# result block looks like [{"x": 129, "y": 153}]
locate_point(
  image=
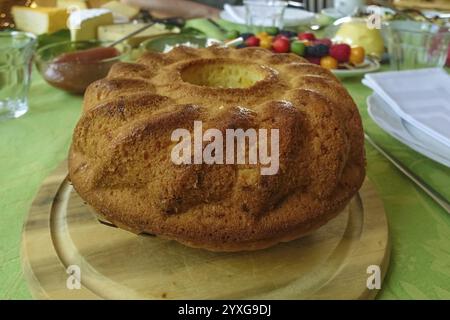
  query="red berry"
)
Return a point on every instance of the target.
[
  {"x": 281, "y": 36},
  {"x": 252, "y": 41},
  {"x": 341, "y": 52},
  {"x": 306, "y": 36},
  {"x": 281, "y": 45},
  {"x": 324, "y": 41},
  {"x": 315, "y": 60}
]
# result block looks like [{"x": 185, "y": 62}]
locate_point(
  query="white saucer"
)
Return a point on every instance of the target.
[
  {"x": 416, "y": 139},
  {"x": 292, "y": 17}
]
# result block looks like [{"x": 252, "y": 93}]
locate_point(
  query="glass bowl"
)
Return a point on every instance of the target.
[
  {"x": 414, "y": 45},
  {"x": 264, "y": 13},
  {"x": 166, "y": 43},
  {"x": 75, "y": 76}
]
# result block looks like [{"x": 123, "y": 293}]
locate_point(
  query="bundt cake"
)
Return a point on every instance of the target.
[{"x": 120, "y": 158}]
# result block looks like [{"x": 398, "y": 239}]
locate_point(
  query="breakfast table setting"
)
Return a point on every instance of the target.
[{"x": 397, "y": 76}]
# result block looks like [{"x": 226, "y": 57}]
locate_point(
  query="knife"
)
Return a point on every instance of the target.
[{"x": 436, "y": 196}]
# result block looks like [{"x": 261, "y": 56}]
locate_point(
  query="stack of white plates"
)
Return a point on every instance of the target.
[{"x": 414, "y": 107}]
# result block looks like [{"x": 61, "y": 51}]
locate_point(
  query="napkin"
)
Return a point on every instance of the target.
[{"x": 421, "y": 97}]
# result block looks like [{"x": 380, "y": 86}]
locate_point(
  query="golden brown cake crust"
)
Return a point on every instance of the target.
[{"x": 120, "y": 163}]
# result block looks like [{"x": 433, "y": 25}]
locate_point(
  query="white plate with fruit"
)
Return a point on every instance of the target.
[
  {"x": 347, "y": 70},
  {"x": 342, "y": 59}
]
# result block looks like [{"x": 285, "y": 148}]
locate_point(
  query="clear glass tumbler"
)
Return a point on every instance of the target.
[
  {"x": 415, "y": 45},
  {"x": 16, "y": 53},
  {"x": 267, "y": 13}
]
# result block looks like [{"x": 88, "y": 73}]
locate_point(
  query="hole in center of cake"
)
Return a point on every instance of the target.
[{"x": 223, "y": 74}]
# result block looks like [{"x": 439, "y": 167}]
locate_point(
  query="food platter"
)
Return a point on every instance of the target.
[{"x": 61, "y": 234}]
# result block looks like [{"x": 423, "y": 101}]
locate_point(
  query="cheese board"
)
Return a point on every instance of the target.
[{"x": 62, "y": 242}]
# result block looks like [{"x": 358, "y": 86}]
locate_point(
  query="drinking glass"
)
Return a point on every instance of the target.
[
  {"x": 415, "y": 45},
  {"x": 16, "y": 52},
  {"x": 268, "y": 13}
]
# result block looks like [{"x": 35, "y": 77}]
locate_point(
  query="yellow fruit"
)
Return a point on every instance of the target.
[
  {"x": 357, "y": 55},
  {"x": 262, "y": 35},
  {"x": 328, "y": 62},
  {"x": 266, "y": 42},
  {"x": 355, "y": 32}
]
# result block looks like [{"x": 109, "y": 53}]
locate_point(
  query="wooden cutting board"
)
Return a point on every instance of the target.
[{"x": 61, "y": 234}]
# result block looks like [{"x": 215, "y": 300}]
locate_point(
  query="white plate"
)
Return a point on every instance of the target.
[
  {"x": 421, "y": 97},
  {"x": 292, "y": 17},
  {"x": 372, "y": 65},
  {"x": 416, "y": 139}
]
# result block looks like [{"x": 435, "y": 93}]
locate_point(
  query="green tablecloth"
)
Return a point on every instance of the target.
[{"x": 32, "y": 146}]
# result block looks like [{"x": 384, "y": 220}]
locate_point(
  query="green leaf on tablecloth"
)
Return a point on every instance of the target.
[
  {"x": 207, "y": 27},
  {"x": 192, "y": 31},
  {"x": 49, "y": 38}
]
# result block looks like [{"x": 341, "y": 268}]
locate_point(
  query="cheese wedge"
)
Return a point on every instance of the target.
[
  {"x": 118, "y": 31},
  {"x": 39, "y": 20},
  {"x": 83, "y": 24},
  {"x": 72, "y": 4},
  {"x": 121, "y": 9}
]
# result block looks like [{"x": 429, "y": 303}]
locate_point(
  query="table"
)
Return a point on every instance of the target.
[{"x": 33, "y": 145}]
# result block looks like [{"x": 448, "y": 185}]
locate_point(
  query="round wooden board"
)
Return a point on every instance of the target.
[{"x": 331, "y": 263}]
